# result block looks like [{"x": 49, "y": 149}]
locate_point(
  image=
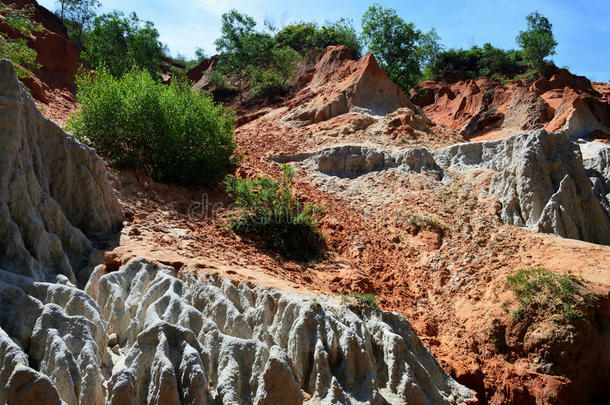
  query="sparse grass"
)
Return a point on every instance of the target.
[
  {"x": 540, "y": 289},
  {"x": 489, "y": 113},
  {"x": 427, "y": 222},
  {"x": 368, "y": 299}
]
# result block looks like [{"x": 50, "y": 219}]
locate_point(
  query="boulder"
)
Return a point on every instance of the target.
[{"x": 527, "y": 111}]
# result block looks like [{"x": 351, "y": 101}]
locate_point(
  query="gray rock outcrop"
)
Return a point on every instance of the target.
[
  {"x": 54, "y": 192},
  {"x": 355, "y": 160},
  {"x": 541, "y": 182},
  {"x": 201, "y": 340}
]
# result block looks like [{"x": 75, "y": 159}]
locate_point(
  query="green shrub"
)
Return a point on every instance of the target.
[
  {"x": 368, "y": 299},
  {"x": 270, "y": 211},
  {"x": 136, "y": 122},
  {"x": 307, "y": 37},
  {"x": 544, "y": 289},
  {"x": 221, "y": 88},
  {"x": 478, "y": 61},
  {"x": 17, "y": 50}
]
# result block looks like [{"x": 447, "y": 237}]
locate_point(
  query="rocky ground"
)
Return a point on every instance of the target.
[{"x": 415, "y": 211}]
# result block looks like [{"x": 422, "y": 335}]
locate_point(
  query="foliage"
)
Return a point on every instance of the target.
[
  {"x": 476, "y": 62},
  {"x": 255, "y": 56},
  {"x": 77, "y": 16},
  {"x": 270, "y": 82},
  {"x": 401, "y": 49},
  {"x": 544, "y": 289},
  {"x": 221, "y": 87},
  {"x": 235, "y": 27},
  {"x": 168, "y": 131},
  {"x": 17, "y": 50},
  {"x": 118, "y": 43},
  {"x": 537, "y": 41},
  {"x": 368, "y": 299},
  {"x": 306, "y": 37},
  {"x": 270, "y": 211}
]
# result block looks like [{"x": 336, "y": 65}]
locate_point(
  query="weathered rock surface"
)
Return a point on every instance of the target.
[
  {"x": 53, "y": 191},
  {"x": 563, "y": 103},
  {"x": 340, "y": 85},
  {"x": 140, "y": 335},
  {"x": 354, "y": 160},
  {"x": 540, "y": 181},
  {"x": 527, "y": 111},
  {"x": 205, "y": 340}
]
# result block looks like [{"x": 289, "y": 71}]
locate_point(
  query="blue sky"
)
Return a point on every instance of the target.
[{"x": 582, "y": 27}]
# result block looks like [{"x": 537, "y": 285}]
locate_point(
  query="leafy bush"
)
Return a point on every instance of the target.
[
  {"x": 544, "y": 289},
  {"x": 170, "y": 132},
  {"x": 17, "y": 50},
  {"x": 306, "y": 37},
  {"x": 477, "y": 61},
  {"x": 265, "y": 83},
  {"x": 222, "y": 89},
  {"x": 270, "y": 211}
]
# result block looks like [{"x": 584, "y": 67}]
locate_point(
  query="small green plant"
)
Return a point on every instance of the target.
[
  {"x": 369, "y": 299},
  {"x": 17, "y": 50},
  {"x": 544, "y": 289},
  {"x": 270, "y": 211},
  {"x": 221, "y": 87},
  {"x": 170, "y": 132},
  {"x": 489, "y": 113},
  {"x": 496, "y": 332}
]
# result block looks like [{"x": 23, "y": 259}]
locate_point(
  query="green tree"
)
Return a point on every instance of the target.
[
  {"x": 77, "y": 16},
  {"x": 537, "y": 41},
  {"x": 63, "y": 6},
  {"x": 341, "y": 32},
  {"x": 400, "y": 48},
  {"x": 235, "y": 27},
  {"x": 305, "y": 37},
  {"x": 120, "y": 42}
]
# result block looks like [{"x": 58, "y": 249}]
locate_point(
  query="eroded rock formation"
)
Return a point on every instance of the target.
[
  {"x": 540, "y": 181},
  {"x": 53, "y": 191},
  {"x": 340, "y": 85},
  {"x": 563, "y": 103},
  {"x": 140, "y": 334}
]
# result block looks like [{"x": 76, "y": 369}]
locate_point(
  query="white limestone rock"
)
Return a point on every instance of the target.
[
  {"x": 540, "y": 181},
  {"x": 204, "y": 340},
  {"x": 53, "y": 190}
]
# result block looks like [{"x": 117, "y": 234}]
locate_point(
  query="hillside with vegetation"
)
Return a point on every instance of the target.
[{"x": 345, "y": 212}]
